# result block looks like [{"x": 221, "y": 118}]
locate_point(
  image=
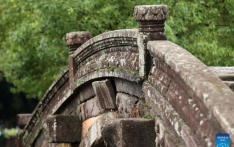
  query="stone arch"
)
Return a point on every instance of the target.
[{"x": 122, "y": 77}]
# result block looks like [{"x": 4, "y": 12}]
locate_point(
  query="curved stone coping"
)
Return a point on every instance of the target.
[
  {"x": 216, "y": 96},
  {"x": 118, "y": 73},
  {"x": 127, "y": 33},
  {"x": 60, "y": 80}
]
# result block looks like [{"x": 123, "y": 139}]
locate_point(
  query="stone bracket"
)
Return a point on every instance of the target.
[{"x": 62, "y": 129}]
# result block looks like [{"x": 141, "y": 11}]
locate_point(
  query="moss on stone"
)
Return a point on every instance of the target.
[
  {"x": 122, "y": 68},
  {"x": 147, "y": 106},
  {"x": 147, "y": 117}
]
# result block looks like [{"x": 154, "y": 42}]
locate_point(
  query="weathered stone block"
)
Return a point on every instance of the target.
[
  {"x": 124, "y": 103},
  {"x": 165, "y": 135},
  {"x": 86, "y": 92},
  {"x": 23, "y": 119},
  {"x": 63, "y": 129},
  {"x": 188, "y": 137},
  {"x": 89, "y": 109},
  {"x": 129, "y": 87},
  {"x": 93, "y": 108},
  {"x": 131, "y": 132},
  {"x": 143, "y": 108},
  {"x": 105, "y": 94}
]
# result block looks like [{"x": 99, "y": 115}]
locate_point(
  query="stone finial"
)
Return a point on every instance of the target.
[
  {"x": 151, "y": 19},
  {"x": 76, "y": 39}
]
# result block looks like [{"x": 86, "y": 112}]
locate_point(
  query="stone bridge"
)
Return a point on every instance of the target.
[{"x": 132, "y": 88}]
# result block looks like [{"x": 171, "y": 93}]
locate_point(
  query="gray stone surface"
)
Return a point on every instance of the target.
[
  {"x": 88, "y": 109},
  {"x": 105, "y": 94},
  {"x": 62, "y": 128},
  {"x": 165, "y": 136},
  {"x": 125, "y": 103},
  {"x": 143, "y": 108},
  {"x": 129, "y": 87},
  {"x": 93, "y": 108},
  {"x": 119, "y": 73},
  {"x": 217, "y": 97},
  {"x": 129, "y": 132},
  {"x": 127, "y": 33},
  {"x": 162, "y": 108},
  {"x": 151, "y": 13},
  {"x": 86, "y": 92}
]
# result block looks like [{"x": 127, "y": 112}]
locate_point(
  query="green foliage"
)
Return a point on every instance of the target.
[
  {"x": 204, "y": 28},
  {"x": 10, "y": 132},
  {"x": 32, "y": 33}
]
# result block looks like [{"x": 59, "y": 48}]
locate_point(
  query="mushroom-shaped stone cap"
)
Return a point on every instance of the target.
[
  {"x": 151, "y": 12},
  {"x": 77, "y": 38}
]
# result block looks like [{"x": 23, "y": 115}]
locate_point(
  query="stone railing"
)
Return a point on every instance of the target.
[{"x": 131, "y": 88}]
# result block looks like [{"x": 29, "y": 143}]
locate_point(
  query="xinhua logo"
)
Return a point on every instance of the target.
[{"x": 222, "y": 140}]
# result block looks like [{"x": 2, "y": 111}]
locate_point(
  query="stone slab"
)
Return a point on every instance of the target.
[
  {"x": 125, "y": 103},
  {"x": 105, "y": 94},
  {"x": 89, "y": 109},
  {"x": 86, "y": 92},
  {"x": 129, "y": 87},
  {"x": 62, "y": 129}
]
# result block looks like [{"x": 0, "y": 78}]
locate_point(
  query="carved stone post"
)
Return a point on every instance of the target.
[
  {"x": 75, "y": 40},
  {"x": 151, "y": 20}
]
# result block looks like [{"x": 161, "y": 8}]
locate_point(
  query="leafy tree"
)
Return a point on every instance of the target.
[{"x": 32, "y": 33}]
